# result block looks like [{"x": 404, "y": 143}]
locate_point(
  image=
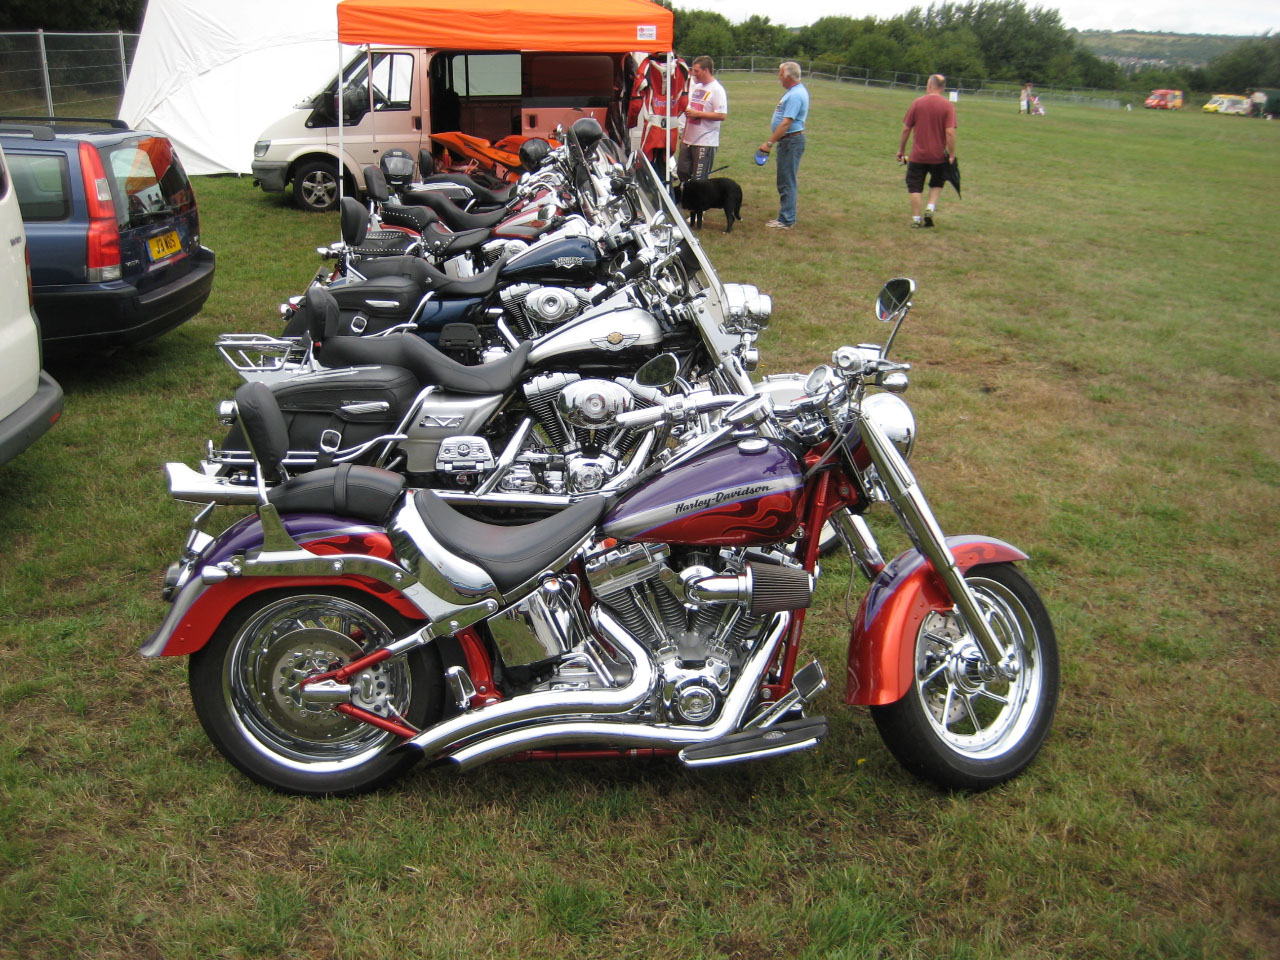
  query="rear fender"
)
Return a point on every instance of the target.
[
  {"x": 882, "y": 642},
  {"x": 200, "y": 607}
]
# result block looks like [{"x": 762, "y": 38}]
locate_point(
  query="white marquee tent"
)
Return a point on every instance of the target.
[{"x": 212, "y": 76}]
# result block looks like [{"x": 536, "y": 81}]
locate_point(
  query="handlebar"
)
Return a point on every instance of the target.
[{"x": 677, "y": 408}]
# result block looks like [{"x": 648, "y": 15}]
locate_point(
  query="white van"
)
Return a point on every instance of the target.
[
  {"x": 417, "y": 92},
  {"x": 30, "y": 399}
]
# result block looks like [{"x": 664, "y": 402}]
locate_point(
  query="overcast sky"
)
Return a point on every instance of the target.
[{"x": 1233, "y": 17}]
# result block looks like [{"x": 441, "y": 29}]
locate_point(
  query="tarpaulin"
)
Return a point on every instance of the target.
[{"x": 572, "y": 26}]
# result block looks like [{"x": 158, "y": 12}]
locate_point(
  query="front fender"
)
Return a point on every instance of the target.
[
  {"x": 199, "y": 608},
  {"x": 882, "y": 642}
]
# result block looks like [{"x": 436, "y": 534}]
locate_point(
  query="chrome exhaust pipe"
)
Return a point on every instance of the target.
[
  {"x": 552, "y": 704},
  {"x": 622, "y": 733}
]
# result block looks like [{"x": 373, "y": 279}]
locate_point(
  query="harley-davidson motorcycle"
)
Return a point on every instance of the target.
[
  {"x": 530, "y": 427},
  {"x": 353, "y": 626}
]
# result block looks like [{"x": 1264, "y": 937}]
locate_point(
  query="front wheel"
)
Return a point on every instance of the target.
[
  {"x": 245, "y": 689},
  {"x": 960, "y": 725},
  {"x": 315, "y": 186}
]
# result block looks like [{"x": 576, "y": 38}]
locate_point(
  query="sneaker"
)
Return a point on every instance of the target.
[
  {"x": 916, "y": 224},
  {"x": 928, "y": 218},
  {"x": 777, "y": 225}
]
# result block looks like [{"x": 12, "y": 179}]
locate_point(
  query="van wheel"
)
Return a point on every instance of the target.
[{"x": 315, "y": 186}]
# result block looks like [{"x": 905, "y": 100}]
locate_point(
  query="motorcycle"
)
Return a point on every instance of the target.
[
  {"x": 539, "y": 274},
  {"x": 353, "y": 626},
  {"x": 523, "y": 430}
]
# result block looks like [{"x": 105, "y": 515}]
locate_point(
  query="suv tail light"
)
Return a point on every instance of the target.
[{"x": 104, "y": 232}]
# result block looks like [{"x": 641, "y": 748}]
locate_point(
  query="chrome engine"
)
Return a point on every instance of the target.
[
  {"x": 696, "y": 645},
  {"x": 535, "y": 309}
]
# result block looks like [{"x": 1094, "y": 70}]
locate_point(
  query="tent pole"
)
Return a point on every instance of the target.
[
  {"x": 342, "y": 97},
  {"x": 373, "y": 113},
  {"x": 667, "y": 126}
]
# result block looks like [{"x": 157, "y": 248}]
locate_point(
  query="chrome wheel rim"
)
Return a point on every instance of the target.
[
  {"x": 295, "y": 638},
  {"x": 975, "y": 711},
  {"x": 319, "y": 188}
]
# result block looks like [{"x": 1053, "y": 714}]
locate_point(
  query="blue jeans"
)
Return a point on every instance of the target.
[{"x": 790, "y": 150}]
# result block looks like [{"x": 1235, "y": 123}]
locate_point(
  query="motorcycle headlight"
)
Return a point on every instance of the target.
[
  {"x": 892, "y": 415},
  {"x": 260, "y": 148}
]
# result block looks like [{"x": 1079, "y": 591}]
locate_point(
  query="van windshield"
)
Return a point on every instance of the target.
[{"x": 147, "y": 180}]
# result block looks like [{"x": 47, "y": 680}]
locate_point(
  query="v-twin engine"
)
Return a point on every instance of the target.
[{"x": 697, "y": 625}]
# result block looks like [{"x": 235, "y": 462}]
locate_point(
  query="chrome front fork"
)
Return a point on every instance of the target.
[{"x": 909, "y": 500}]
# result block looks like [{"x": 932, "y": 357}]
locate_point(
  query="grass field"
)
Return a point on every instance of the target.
[{"x": 1097, "y": 380}]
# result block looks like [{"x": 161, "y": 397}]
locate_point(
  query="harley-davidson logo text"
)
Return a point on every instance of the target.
[{"x": 714, "y": 499}]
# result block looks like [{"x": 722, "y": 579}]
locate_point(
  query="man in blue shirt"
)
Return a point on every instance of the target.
[{"x": 788, "y": 134}]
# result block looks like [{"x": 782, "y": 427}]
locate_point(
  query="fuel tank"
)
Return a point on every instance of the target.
[
  {"x": 608, "y": 337},
  {"x": 571, "y": 260},
  {"x": 743, "y": 494}
]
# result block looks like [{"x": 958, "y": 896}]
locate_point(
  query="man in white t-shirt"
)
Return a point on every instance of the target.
[{"x": 708, "y": 106}]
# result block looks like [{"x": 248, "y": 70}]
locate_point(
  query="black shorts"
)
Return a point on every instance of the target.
[{"x": 916, "y": 171}]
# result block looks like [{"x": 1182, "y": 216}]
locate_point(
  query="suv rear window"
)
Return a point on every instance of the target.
[
  {"x": 149, "y": 182},
  {"x": 43, "y": 183}
]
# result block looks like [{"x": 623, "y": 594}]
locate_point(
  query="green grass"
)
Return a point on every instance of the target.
[{"x": 1096, "y": 364}]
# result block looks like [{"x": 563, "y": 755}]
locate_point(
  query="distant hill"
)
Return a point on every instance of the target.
[{"x": 1175, "y": 49}]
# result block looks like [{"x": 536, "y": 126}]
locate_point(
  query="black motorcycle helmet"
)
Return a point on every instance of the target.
[
  {"x": 532, "y": 152},
  {"x": 397, "y": 166},
  {"x": 588, "y": 132}
]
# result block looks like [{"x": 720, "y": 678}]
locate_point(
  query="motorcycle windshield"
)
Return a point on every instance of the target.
[{"x": 660, "y": 210}]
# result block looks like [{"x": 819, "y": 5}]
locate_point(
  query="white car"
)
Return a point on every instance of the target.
[{"x": 30, "y": 399}]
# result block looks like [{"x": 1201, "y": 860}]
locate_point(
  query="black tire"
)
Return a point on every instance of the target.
[
  {"x": 961, "y": 731},
  {"x": 315, "y": 186},
  {"x": 253, "y": 716}
]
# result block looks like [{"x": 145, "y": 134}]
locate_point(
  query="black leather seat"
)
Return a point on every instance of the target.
[
  {"x": 430, "y": 277},
  {"x": 486, "y": 196},
  {"x": 510, "y": 555},
  {"x": 381, "y": 243},
  {"x": 452, "y": 215},
  {"x": 415, "y": 218},
  {"x": 363, "y": 493},
  {"x": 429, "y": 365},
  {"x": 441, "y": 242}
]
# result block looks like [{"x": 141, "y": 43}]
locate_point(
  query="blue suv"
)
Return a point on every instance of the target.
[{"x": 112, "y": 230}]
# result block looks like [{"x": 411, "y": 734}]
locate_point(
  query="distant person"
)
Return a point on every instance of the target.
[
  {"x": 1024, "y": 99},
  {"x": 788, "y": 133},
  {"x": 932, "y": 121},
  {"x": 708, "y": 107}
]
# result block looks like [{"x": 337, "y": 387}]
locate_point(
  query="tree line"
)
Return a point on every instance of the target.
[{"x": 999, "y": 40}]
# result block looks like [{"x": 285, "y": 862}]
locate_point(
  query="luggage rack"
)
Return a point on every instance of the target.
[{"x": 259, "y": 356}]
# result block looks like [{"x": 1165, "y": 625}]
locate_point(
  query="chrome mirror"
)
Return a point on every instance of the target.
[
  {"x": 894, "y": 297},
  {"x": 659, "y": 371}
]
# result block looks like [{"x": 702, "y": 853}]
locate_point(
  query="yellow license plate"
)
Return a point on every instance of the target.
[{"x": 165, "y": 245}]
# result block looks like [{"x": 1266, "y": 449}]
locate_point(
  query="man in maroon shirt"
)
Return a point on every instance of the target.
[{"x": 933, "y": 120}]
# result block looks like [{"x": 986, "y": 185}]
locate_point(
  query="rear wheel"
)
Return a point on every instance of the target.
[
  {"x": 960, "y": 724},
  {"x": 245, "y": 689},
  {"x": 315, "y": 186}
]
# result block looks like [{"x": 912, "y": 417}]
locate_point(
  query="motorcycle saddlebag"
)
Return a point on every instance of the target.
[
  {"x": 376, "y": 305},
  {"x": 340, "y": 400}
]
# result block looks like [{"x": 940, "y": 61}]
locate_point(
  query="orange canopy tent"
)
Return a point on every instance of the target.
[{"x": 570, "y": 26}]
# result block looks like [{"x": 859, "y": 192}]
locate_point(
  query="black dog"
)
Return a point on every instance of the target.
[{"x": 698, "y": 196}]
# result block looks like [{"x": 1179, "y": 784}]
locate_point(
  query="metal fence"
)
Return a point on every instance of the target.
[
  {"x": 84, "y": 74},
  {"x": 72, "y": 74},
  {"x": 993, "y": 89}
]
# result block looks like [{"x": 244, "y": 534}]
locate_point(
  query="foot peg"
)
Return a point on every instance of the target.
[
  {"x": 788, "y": 736},
  {"x": 460, "y": 686},
  {"x": 807, "y": 683}
]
